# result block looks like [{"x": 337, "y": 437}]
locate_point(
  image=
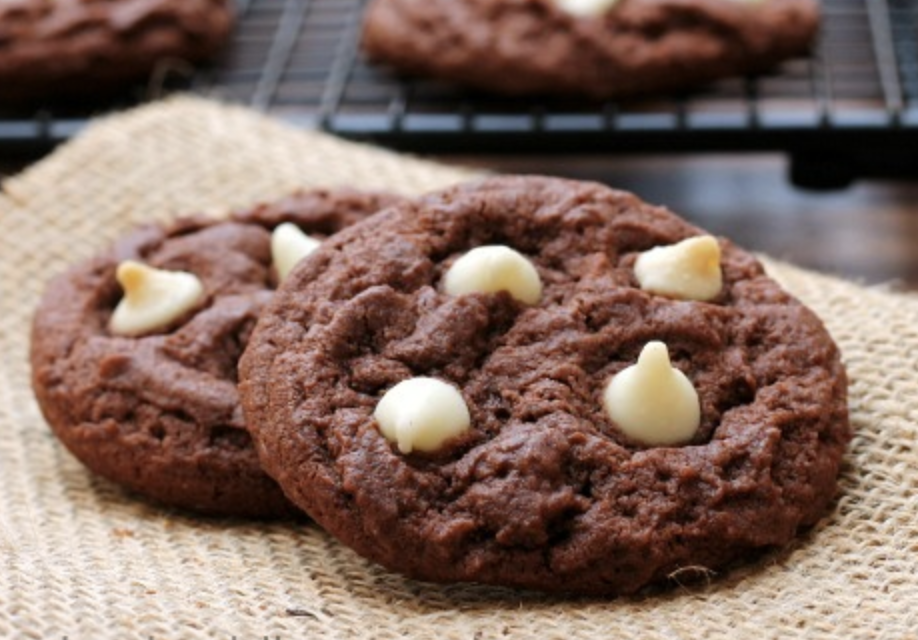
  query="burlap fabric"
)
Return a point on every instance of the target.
[{"x": 81, "y": 559}]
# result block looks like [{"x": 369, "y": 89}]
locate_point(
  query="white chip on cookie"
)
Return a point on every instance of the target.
[
  {"x": 494, "y": 268},
  {"x": 688, "y": 270},
  {"x": 652, "y": 401},
  {"x": 422, "y": 414},
  {"x": 153, "y": 298},
  {"x": 289, "y": 245},
  {"x": 586, "y": 7}
]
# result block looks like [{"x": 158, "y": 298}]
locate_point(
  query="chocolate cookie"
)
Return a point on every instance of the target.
[
  {"x": 450, "y": 388},
  {"x": 592, "y": 48},
  {"x": 87, "y": 48},
  {"x": 155, "y": 408}
]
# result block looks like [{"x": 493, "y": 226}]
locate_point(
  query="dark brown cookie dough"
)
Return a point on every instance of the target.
[
  {"x": 521, "y": 47},
  {"x": 543, "y": 491},
  {"x": 87, "y": 48},
  {"x": 159, "y": 414}
]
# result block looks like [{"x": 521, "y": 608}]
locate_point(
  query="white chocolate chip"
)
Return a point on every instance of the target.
[
  {"x": 652, "y": 401},
  {"x": 586, "y": 7},
  {"x": 689, "y": 270},
  {"x": 153, "y": 298},
  {"x": 422, "y": 414},
  {"x": 289, "y": 245},
  {"x": 494, "y": 268}
]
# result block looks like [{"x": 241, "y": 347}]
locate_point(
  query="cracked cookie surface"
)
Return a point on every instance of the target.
[{"x": 543, "y": 490}]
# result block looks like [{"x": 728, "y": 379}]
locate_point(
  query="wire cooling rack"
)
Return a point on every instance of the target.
[{"x": 848, "y": 110}]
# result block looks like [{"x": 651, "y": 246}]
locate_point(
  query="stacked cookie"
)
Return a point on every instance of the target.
[
  {"x": 529, "y": 382},
  {"x": 134, "y": 353}
]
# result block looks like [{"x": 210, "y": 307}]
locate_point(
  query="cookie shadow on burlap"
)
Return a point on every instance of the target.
[
  {"x": 91, "y": 493},
  {"x": 377, "y": 588},
  {"x": 320, "y": 575}
]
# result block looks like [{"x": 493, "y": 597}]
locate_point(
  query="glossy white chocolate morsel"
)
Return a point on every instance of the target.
[
  {"x": 289, "y": 245},
  {"x": 586, "y": 7},
  {"x": 688, "y": 270},
  {"x": 422, "y": 413},
  {"x": 494, "y": 268},
  {"x": 153, "y": 298},
  {"x": 653, "y": 402}
]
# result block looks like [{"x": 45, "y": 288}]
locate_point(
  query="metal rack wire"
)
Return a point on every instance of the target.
[{"x": 853, "y": 101}]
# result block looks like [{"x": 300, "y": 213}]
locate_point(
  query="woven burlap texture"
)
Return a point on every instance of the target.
[{"x": 82, "y": 559}]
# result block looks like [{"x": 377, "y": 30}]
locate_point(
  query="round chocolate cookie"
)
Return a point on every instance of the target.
[
  {"x": 157, "y": 411},
  {"x": 87, "y": 48},
  {"x": 593, "y": 48},
  {"x": 536, "y": 486}
]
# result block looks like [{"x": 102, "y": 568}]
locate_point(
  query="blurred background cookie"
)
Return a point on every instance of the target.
[
  {"x": 595, "y": 48},
  {"x": 87, "y": 49}
]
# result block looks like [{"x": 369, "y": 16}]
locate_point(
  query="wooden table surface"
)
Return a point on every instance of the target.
[{"x": 867, "y": 232}]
